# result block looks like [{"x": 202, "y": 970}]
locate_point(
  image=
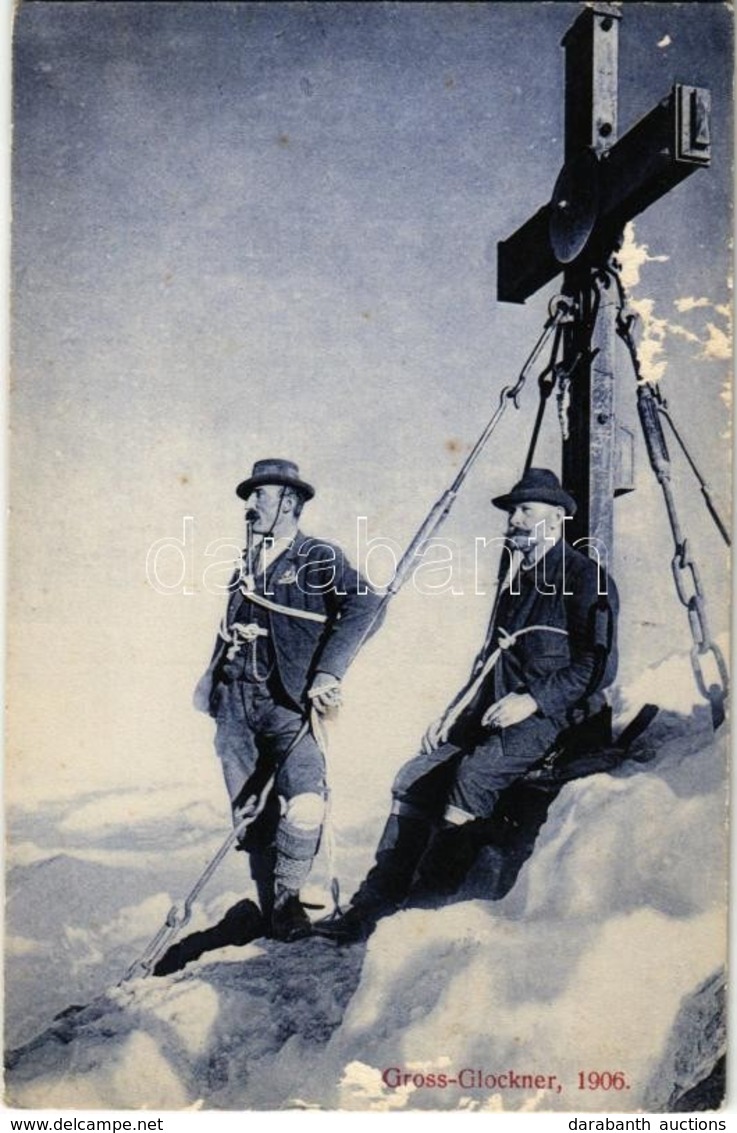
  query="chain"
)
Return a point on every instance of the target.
[
  {"x": 564, "y": 406},
  {"x": 561, "y": 311},
  {"x": 686, "y": 576},
  {"x": 564, "y": 374}
]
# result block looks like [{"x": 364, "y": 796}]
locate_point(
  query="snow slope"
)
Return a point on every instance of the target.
[{"x": 588, "y": 964}]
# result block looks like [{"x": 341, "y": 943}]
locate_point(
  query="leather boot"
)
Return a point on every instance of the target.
[
  {"x": 444, "y": 865},
  {"x": 241, "y": 924},
  {"x": 289, "y": 921},
  {"x": 401, "y": 846},
  {"x": 352, "y": 927}
]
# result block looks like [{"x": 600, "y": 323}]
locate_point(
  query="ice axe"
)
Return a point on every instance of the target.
[{"x": 180, "y": 914}]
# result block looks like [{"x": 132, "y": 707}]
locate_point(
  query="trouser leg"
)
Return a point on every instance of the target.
[
  {"x": 262, "y": 862},
  {"x": 452, "y": 851},
  {"x": 297, "y": 842},
  {"x": 255, "y": 740},
  {"x": 281, "y": 868},
  {"x": 302, "y": 790},
  {"x": 498, "y": 761},
  {"x": 402, "y": 844},
  {"x": 419, "y": 792},
  {"x": 236, "y": 746},
  {"x": 481, "y": 775},
  {"x": 446, "y": 862}
]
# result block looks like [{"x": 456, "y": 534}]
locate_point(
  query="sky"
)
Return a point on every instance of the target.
[{"x": 245, "y": 230}]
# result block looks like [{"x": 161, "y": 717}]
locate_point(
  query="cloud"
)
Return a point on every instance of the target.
[
  {"x": 651, "y": 347},
  {"x": 718, "y": 344},
  {"x": 690, "y": 304},
  {"x": 681, "y": 332},
  {"x": 713, "y": 342},
  {"x": 632, "y": 256}
]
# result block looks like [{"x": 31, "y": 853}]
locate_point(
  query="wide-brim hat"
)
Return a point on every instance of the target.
[
  {"x": 538, "y": 485},
  {"x": 275, "y": 471}
]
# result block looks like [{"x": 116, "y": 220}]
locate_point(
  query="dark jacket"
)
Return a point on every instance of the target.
[
  {"x": 314, "y": 575},
  {"x": 566, "y": 674}
]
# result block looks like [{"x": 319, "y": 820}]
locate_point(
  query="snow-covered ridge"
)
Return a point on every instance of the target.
[{"x": 588, "y": 964}]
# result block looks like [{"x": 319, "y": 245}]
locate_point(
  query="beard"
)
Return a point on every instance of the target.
[{"x": 522, "y": 540}]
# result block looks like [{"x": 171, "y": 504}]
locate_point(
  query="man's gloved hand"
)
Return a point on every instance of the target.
[
  {"x": 434, "y": 736},
  {"x": 325, "y": 692},
  {"x": 511, "y": 709}
]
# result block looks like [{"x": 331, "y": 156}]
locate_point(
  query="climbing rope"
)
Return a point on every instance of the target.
[
  {"x": 237, "y": 636},
  {"x": 505, "y": 641},
  {"x": 651, "y": 407},
  {"x": 320, "y": 733}
]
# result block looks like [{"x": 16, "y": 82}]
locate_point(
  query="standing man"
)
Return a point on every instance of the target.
[
  {"x": 549, "y": 653},
  {"x": 296, "y": 615}
]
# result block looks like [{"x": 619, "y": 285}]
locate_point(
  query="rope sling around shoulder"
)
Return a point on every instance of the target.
[{"x": 506, "y": 640}]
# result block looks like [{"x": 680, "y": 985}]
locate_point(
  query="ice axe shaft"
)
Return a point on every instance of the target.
[
  {"x": 558, "y": 312},
  {"x": 179, "y": 915}
]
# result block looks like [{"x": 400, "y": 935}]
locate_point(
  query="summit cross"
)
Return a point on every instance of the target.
[{"x": 604, "y": 183}]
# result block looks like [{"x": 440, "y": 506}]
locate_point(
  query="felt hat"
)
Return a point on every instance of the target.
[
  {"x": 274, "y": 471},
  {"x": 538, "y": 485}
]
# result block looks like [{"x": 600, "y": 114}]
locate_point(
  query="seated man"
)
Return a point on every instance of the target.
[{"x": 549, "y": 653}]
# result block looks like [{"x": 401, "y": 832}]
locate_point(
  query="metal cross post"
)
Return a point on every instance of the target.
[{"x": 604, "y": 183}]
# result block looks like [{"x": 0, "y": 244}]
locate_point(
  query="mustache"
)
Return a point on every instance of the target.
[{"x": 251, "y": 515}]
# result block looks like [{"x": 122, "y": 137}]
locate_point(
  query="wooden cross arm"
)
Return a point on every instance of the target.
[
  {"x": 525, "y": 262},
  {"x": 653, "y": 157},
  {"x": 662, "y": 149}
]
